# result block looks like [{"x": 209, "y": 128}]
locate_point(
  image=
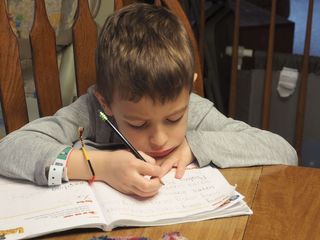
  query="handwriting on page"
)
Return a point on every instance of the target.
[
  {"x": 42, "y": 209},
  {"x": 197, "y": 191},
  {"x": 44, "y": 202}
]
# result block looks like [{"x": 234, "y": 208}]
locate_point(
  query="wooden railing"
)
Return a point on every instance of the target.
[{"x": 268, "y": 74}]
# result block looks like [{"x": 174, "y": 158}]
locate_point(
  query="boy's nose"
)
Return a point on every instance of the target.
[{"x": 158, "y": 139}]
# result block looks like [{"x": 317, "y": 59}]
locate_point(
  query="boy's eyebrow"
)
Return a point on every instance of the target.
[{"x": 181, "y": 110}]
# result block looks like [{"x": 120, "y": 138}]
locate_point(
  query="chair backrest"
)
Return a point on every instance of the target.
[{"x": 44, "y": 60}]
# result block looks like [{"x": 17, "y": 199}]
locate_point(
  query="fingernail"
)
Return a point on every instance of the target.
[{"x": 161, "y": 181}]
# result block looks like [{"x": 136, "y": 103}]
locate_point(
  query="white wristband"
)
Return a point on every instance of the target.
[
  {"x": 58, "y": 170},
  {"x": 55, "y": 175}
]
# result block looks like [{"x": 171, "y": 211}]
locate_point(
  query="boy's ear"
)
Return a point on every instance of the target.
[
  {"x": 195, "y": 75},
  {"x": 103, "y": 103}
]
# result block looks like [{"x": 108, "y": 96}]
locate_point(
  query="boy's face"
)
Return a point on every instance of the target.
[{"x": 154, "y": 128}]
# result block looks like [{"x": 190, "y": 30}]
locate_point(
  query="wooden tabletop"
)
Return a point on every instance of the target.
[{"x": 285, "y": 202}]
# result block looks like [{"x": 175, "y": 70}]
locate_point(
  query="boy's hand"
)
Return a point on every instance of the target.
[
  {"x": 180, "y": 158},
  {"x": 124, "y": 172}
]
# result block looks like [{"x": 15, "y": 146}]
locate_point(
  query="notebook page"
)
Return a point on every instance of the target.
[
  {"x": 198, "y": 191},
  {"x": 36, "y": 210}
]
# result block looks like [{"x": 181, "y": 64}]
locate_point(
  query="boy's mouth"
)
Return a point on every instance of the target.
[{"x": 161, "y": 154}]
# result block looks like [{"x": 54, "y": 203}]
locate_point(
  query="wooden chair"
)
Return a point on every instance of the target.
[
  {"x": 268, "y": 74},
  {"x": 44, "y": 58},
  {"x": 45, "y": 68}
]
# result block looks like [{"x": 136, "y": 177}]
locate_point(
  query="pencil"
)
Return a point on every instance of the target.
[
  {"x": 104, "y": 118},
  {"x": 85, "y": 154}
]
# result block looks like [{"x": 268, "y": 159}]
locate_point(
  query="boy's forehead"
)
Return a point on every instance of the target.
[
  {"x": 151, "y": 100},
  {"x": 148, "y": 105}
]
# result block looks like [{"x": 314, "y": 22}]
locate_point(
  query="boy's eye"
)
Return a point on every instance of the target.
[
  {"x": 175, "y": 120},
  {"x": 135, "y": 125}
]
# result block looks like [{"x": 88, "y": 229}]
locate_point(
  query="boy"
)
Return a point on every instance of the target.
[{"x": 145, "y": 71}]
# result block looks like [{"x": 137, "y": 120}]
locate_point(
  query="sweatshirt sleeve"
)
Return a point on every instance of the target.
[
  {"x": 226, "y": 142},
  {"x": 28, "y": 151}
]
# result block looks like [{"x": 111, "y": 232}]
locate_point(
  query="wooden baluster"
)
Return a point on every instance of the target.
[
  {"x": 12, "y": 96},
  {"x": 45, "y": 67},
  {"x": 234, "y": 64},
  {"x": 268, "y": 71},
  {"x": 118, "y": 4},
  {"x": 303, "y": 85},
  {"x": 157, "y": 3},
  {"x": 85, "y": 34},
  {"x": 175, "y": 7},
  {"x": 202, "y": 22}
]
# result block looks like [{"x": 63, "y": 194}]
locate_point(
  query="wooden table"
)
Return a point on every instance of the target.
[{"x": 285, "y": 202}]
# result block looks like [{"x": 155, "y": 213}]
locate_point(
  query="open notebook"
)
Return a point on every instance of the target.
[{"x": 29, "y": 210}]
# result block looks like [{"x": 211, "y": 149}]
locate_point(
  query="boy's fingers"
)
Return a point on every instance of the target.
[
  {"x": 149, "y": 169},
  {"x": 166, "y": 166},
  {"x": 146, "y": 186},
  {"x": 148, "y": 158},
  {"x": 143, "y": 193},
  {"x": 138, "y": 191},
  {"x": 180, "y": 170}
]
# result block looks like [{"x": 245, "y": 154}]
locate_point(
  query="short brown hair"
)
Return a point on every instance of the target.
[{"x": 144, "y": 50}]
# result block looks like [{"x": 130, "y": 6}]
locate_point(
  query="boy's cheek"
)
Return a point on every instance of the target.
[{"x": 138, "y": 140}]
